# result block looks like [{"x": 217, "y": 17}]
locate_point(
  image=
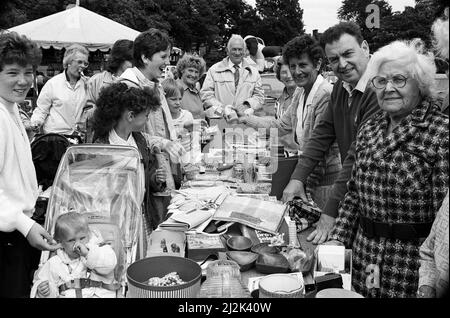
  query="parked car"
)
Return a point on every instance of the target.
[{"x": 272, "y": 90}]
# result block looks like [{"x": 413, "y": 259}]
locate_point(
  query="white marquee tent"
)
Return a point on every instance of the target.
[{"x": 75, "y": 25}]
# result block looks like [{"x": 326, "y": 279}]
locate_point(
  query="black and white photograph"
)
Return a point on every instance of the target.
[{"x": 131, "y": 131}]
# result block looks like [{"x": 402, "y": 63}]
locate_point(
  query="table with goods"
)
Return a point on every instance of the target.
[{"x": 228, "y": 235}]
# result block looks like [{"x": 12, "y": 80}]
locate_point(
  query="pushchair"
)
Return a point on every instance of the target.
[
  {"x": 104, "y": 183},
  {"x": 47, "y": 151}
]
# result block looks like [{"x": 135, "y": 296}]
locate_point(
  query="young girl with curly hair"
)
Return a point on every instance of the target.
[{"x": 119, "y": 119}]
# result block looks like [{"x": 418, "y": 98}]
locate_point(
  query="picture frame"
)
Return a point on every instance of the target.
[{"x": 163, "y": 243}]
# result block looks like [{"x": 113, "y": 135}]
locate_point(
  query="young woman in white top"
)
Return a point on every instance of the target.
[{"x": 20, "y": 236}]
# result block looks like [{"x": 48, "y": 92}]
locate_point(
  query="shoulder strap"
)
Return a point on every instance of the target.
[{"x": 143, "y": 148}]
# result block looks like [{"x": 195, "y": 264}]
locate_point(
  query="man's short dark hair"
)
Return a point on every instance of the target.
[
  {"x": 148, "y": 43},
  {"x": 335, "y": 32},
  {"x": 303, "y": 44},
  {"x": 121, "y": 51}
]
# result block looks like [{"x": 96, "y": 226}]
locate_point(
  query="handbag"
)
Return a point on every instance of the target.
[{"x": 303, "y": 213}]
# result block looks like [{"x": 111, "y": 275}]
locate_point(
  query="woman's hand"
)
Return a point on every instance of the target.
[
  {"x": 43, "y": 289},
  {"x": 37, "y": 237},
  {"x": 294, "y": 188},
  {"x": 323, "y": 229},
  {"x": 161, "y": 175},
  {"x": 80, "y": 249}
]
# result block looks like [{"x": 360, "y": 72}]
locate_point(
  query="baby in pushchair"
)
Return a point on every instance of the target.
[{"x": 83, "y": 268}]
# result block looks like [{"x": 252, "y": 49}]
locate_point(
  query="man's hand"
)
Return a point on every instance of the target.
[
  {"x": 36, "y": 237},
  {"x": 323, "y": 228},
  {"x": 161, "y": 175},
  {"x": 43, "y": 289},
  {"x": 175, "y": 150},
  {"x": 294, "y": 188},
  {"x": 240, "y": 109}
]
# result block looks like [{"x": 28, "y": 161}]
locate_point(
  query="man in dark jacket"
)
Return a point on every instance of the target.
[{"x": 352, "y": 103}]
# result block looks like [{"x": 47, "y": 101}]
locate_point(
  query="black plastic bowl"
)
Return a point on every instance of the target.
[
  {"x": 239, "y": 243},
  {"x": 140, "y": 271}
]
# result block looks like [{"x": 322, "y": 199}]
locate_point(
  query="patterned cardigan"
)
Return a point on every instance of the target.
[{"x": 400, "y": 178}]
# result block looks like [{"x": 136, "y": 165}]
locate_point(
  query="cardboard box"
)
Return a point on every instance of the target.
[
  {"x": 328, "y": 257},
  {"x": 200, "y": 246}
]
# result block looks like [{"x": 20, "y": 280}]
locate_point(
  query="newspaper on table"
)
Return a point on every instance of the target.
[{"x": 259, "y": 214}]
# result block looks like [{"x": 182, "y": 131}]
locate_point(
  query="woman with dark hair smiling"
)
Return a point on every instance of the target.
[
  {"x": 119, "y": 118},
  {"x": 305, "y": 57}
]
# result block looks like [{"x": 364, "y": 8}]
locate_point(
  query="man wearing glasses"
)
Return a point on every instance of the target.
[
  {"x": 62, "y": 98},
  {"x": 352, "y": 103}
]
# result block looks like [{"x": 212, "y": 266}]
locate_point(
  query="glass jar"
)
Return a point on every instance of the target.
[{"x": 223, "y": 280}]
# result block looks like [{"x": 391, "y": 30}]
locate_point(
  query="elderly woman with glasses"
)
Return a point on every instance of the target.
[
  {"x": 400, "y": 175},
  {"x": 62, "y": 98}
]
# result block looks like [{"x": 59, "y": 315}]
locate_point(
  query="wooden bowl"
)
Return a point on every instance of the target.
[
  {"x": 265, "y": 248},
  {"x": 272, "y": 263},
  {"x": 239, "y": 243},
  {"x": 245, "y": 260}
]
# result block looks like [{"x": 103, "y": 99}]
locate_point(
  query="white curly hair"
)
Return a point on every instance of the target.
[
  {"x": 440, "y": 35},
  {"x": 417, "y": 62}
]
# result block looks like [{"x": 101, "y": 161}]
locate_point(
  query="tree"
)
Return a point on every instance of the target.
[
  {"x": 413, "y": 22},
  {"x": 239, "y": 18},
  {"x": 281, "y": 20},
  {"x": 355, "y": 11}
]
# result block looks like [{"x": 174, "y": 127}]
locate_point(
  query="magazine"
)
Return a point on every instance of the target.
[
  {"x": 186, "y": 221},
  {"x": 261, "y": 215}
]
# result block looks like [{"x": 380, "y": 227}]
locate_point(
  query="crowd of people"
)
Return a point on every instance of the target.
[{"x": 372, "y": 147}]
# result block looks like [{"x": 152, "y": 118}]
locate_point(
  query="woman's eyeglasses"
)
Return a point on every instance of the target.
[
  {"x": 80, "y": 62},
  {"x": 398, "y": 81}
]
